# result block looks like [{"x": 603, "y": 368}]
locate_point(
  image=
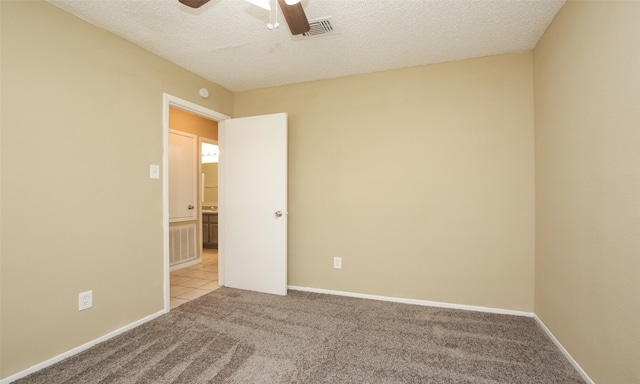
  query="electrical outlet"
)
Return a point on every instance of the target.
[
  {"x": 337, "y": 262},
  {"x": 85, "y": 300}
]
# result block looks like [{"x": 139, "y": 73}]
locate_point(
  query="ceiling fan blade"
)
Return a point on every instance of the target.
[
  {"x": 294, "y": 14},
  {"x": 194, "y": 3}
]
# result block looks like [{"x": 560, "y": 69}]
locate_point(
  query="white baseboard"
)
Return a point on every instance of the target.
[
  {"x": 186, "y": 264},
  {"x": 564, "y": 351},
  {"x": 414, "y": 301},
  {"x": 79, "y": 349}
]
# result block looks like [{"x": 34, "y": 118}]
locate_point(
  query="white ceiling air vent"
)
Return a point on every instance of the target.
[{"x": 319, "y": 27}]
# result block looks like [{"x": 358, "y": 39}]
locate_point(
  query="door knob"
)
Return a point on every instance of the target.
[
  {"x": 190, "y": 207},
  {"x": 278, "y": 213}
]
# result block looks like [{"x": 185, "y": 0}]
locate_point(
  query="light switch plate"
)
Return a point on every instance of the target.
[{"x": 154, "y": 171}]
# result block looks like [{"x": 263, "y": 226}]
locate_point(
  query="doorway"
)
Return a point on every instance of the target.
[
  {"x": 190, "y": 280},
  {"x": 254, "y": 150},
  {"x": 172, "y": 102}
]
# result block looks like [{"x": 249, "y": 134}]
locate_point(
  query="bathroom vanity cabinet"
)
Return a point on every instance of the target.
[{"x": 210, "y": 230}]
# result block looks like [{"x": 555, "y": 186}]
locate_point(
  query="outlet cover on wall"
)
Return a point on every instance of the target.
[
  {"x": 337, "y": 262},
  {"x": 85, "y": 300}
]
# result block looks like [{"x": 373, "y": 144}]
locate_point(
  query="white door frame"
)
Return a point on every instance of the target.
[{"x": 173, "y": 101}]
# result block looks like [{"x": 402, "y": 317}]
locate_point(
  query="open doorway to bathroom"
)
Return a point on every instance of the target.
[{"x": 197, "y": 277}]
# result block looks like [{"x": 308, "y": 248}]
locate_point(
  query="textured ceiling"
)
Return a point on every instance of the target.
[{"x": 227, "y": 41}]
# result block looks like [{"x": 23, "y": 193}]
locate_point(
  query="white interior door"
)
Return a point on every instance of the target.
[
  {"x": 254, "y": 206},
  {"x": 182, "y": 176}
]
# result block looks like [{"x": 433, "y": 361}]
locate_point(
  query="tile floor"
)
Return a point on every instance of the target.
[{"x": 195, "y": 281}]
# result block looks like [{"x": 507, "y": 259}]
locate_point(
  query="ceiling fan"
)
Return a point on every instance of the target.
[{"x": 292, "y": 10}]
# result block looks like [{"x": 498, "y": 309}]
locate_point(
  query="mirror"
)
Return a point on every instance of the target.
[{"x": 210, "y": 154}]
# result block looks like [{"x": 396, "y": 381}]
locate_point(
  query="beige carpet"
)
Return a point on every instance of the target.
[{"x": 233, "y": 336}]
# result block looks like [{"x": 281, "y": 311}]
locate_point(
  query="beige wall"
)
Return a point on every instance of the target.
[
  {"x": 420, "y": 179},
  {"x": 88, "y": 105},
  {"x": 587, "y": 102},
  {"x": 196, "y": 125}
]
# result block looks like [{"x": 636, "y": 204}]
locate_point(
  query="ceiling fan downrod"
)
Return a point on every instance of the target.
[{"x": 275, "y": 25}]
